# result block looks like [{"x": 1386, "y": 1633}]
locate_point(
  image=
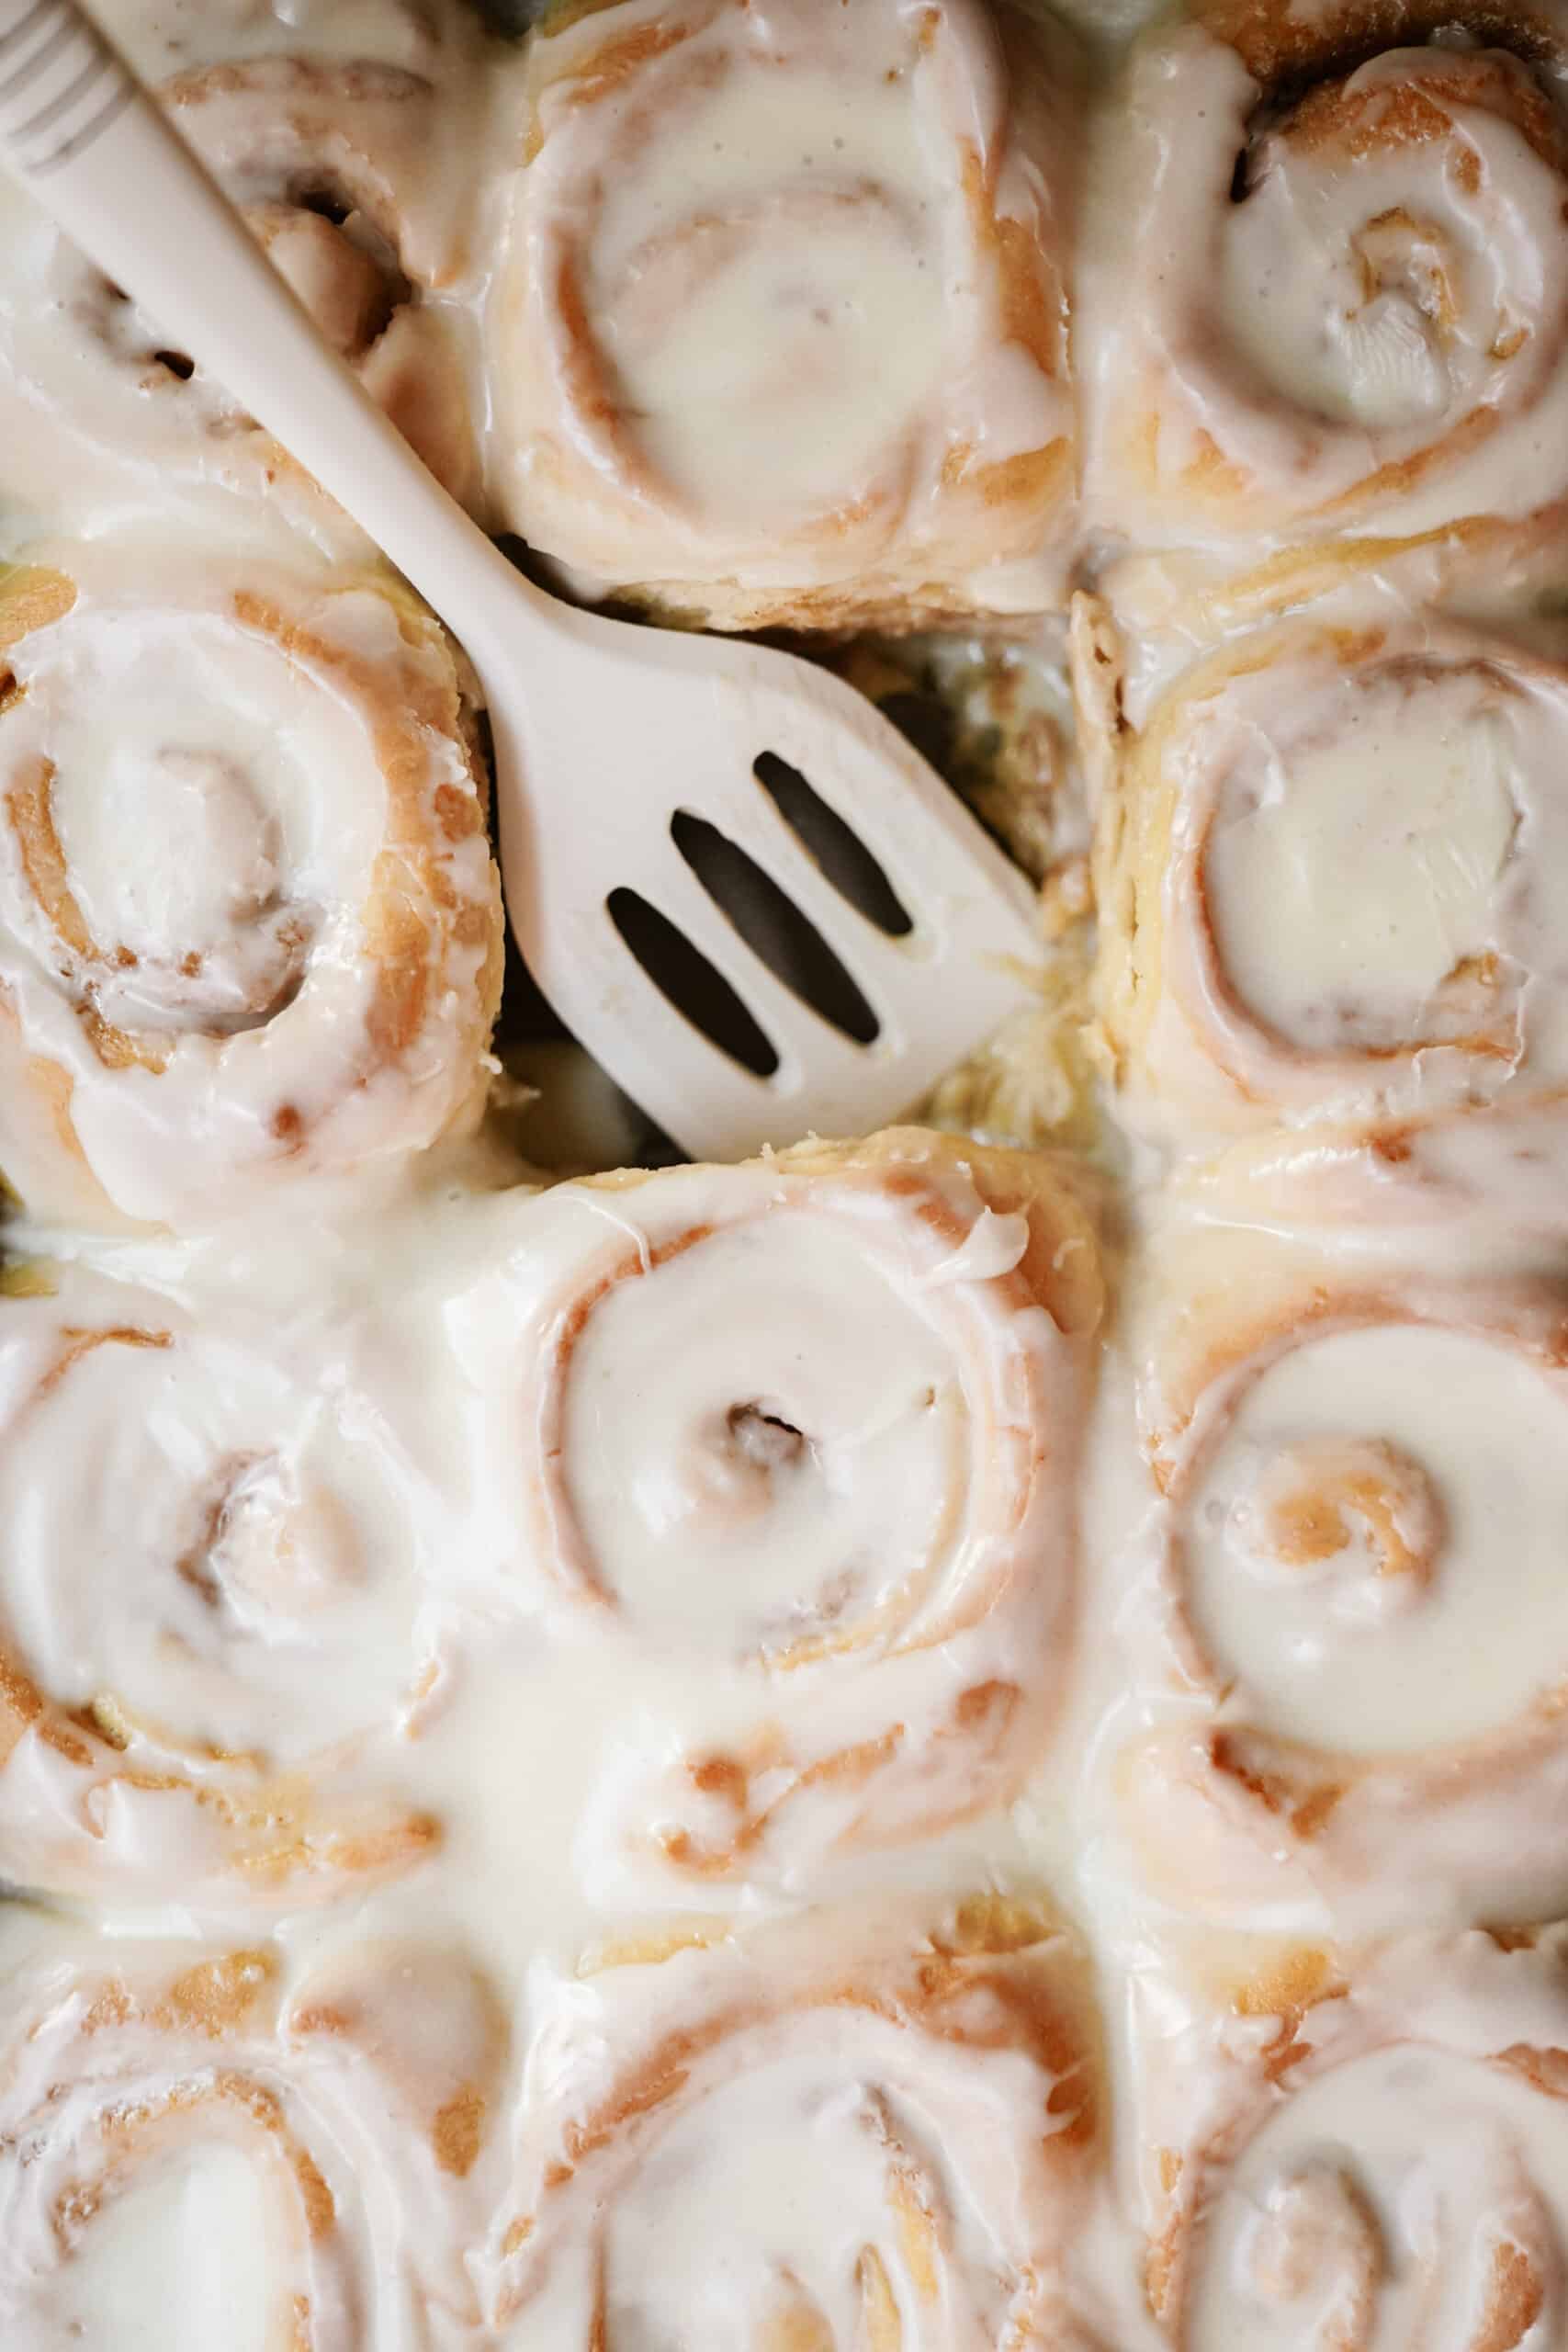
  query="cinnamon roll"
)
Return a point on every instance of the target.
[
  {"x": 212, "y": 1618},
  {"x": 781, "y": 335},
  {"x": 192, "y": 2151},
  {"x": 1375, "y": 2160},
  {"x": 1341, "y": 303},
  {"x": 1330, "y": 868},
  {"x": 250, "y": 927},
  {"x": 1356, "y": 1633},
  {"x": 762, "y": 2147},
  {"x": 805, "y": 1431},
  {"x": 351, "y": 174}
]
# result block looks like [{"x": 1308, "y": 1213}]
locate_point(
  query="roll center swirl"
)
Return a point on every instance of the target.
[
  {"x": 177, "y": 870},
  {"x": 1356, "y": 1516}
]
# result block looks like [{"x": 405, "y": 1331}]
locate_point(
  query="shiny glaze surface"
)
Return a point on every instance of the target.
[{"x": 957, "y": 1709}]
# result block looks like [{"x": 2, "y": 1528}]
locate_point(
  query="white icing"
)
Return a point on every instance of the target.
[
  {"x": 760, "y": 389},
  {"x": 414, "y": 1318},
  {"x": 862, "y": 1534},
  {"x": 1350, "y": 311},
  {"x": 199, "y": 1532},
  {"x": 1391, "y": 2200},
  {"x": 202, "y": 2218},
  {"x": 185, "y": 2157},
  {"x": 819, "y": 2165},
  {"x": 1472, "y": 1472},
  {"x": 780, "y": 355},
  {"x": 222, "y": 902},
  {"x": 1356, "y": 912},
  {"x": 795, "y": 2155},
  {"x": 689, "y": 1496},
  {"x": 1347, "y": 892}
]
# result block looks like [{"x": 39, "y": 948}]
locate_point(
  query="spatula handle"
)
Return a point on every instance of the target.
[{"x": 98, "y": 154}]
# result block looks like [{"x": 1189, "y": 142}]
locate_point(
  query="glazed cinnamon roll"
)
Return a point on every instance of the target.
[
  {"x": 804, "y": 1432},
  {"x": 781, "y": 337},
  {"x": 213, "y": 1624},
  {"x": 761, "y": 2145},
  {"x": 1330, "y": 867},
  {"x": 1342, "y": 302},
  {"x": 1369, "y": 2163},
  {"x": 355, "y": 176},
  {"x": 1354, "y": 1635},
  {"x": 191, "y": 2148},
  {"x": 250, "y": 927}
]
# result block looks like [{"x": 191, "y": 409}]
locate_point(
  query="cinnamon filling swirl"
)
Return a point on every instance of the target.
[
  {"x": 1331, "y": 874},
  {"x": 188, "y": 2152},
  {"x": 1351, "y": 307},
  {"x": 212, "y": 970},
  {"x": 782, "y": 334},
  {"x": 801, "y": 1433},
  {"x": 1360, "y": 1601},
  {"x": 891, "y": 2155},
  {"x": 1389, "y": 2171},
  {"x": 211, "y": 1619}
]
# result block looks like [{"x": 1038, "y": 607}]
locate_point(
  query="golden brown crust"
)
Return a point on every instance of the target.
[{"x": 1280, "y": 44}]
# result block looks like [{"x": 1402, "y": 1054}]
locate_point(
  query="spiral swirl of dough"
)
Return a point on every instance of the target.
[
  {"x": 1331, "y": 882},
  {"x": 213, "y": 1612},
  {"x": 1384, "y": 2172},
  {"x": 1347, "y": 310},
  {"x": 782, "y": 334},
  {"x": 192, "y": 2151},
  {"x": 752, "y": 2147},
  {"x": 803, "y": 1432},
  {"x": 1362, "y": 1606},
  {"x": 250, "y": 928}
]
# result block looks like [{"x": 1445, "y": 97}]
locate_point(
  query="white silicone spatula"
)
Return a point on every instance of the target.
[{"x": 645, "y": 779}]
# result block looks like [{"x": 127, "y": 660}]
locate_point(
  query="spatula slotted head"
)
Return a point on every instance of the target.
[{"x": 743, "y": 891}]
